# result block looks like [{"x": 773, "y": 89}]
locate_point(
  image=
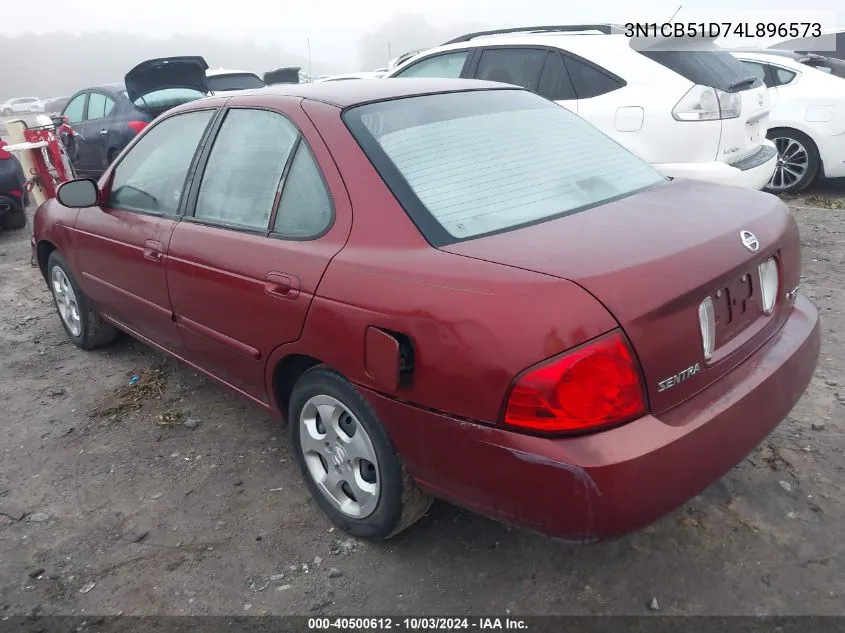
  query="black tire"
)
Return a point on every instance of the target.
[
  {"x": 782, "y": 137},
  {"x": 14, "y": 220},
  {"x": 94, "y": 331},
  {"x": 401, "y": 503}
]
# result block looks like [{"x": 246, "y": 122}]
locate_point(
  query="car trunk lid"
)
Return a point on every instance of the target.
[
  {"x": 652, "y": 258},
  {"x": 166, "y": 73}
]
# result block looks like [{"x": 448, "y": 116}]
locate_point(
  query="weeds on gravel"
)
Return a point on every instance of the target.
[
  {"x": 130, "y": 397},
  {"x": 825, "y": 202}
]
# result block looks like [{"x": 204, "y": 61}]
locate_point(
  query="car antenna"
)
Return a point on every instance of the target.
[{"x": 680, "y": 6}]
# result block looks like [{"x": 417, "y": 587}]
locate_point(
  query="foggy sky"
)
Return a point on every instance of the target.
[{"x": 96, "y": 41}]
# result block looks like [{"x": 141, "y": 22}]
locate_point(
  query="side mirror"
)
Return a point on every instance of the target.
[{"x": 78, "y": 194}]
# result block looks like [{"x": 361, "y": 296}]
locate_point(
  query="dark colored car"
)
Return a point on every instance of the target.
[
  {"x": 13, "y": 194},
  {"x": 55, "y": 105},
  {"x": 523, "y": 318},
  {"x": 108, "y": 117}
]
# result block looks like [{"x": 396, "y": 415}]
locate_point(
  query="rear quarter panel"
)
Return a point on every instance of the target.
[{"x": 474, "y": 325}]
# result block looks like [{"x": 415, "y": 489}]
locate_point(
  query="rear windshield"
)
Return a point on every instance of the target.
[
  {"x": 168, "y": 98},
  {"x": 716, "y": 69},
  {"x": 234, "y": 81},
  {"x": 467, "y": 164}
]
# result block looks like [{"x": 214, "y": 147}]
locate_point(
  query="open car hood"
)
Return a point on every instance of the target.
[{"x": 166, "y": 72}]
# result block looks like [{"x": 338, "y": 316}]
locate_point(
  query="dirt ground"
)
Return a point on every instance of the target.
[{"x": 172, "y": 496}]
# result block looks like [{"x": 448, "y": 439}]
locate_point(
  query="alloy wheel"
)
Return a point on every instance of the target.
[
  {"x": 66, "y": 301},
  {"x": 339, "y": 456},
  {"x": 792, "y": 164}
]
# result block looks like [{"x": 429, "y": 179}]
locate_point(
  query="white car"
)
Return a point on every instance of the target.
[
  {"x": 807, "y": 123},
  {"x": 22, "y": 105},
  {"x": 692, "y": 113}
]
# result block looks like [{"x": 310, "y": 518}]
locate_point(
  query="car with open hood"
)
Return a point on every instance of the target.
[
  {"x": 441, "y": 302},
  {"x": 107, "y": 117}
]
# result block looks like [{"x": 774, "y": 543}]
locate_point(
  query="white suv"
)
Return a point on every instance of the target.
[{"x": 693, "y": 113}]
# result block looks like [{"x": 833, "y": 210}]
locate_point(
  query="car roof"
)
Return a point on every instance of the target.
[
  {"x": 349, "y": 93},
  {"x": 572, "y": 41}
]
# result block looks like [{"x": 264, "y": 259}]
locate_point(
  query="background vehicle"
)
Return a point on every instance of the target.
[
  {"x": 13, "y": 195},
  {"x": 692, "y": 113},
  {"x": 22, "y": 105},
  {"x": 807, "y": 123},
  {"x": 107, "y": 117},
  {"x": 224, "y": 235},
  {"x": 810, "y": 44},
  {"x": 376, "y": 74},
  {"x": 55, "y": 105},
  {"x": 223, "y": 81},
  {"x": 829, "y": 65}
]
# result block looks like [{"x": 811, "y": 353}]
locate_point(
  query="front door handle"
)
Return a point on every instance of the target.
[
  {"x": 152, "y": 250},
  {"x": 103, "y": 132},
  {"x": 281, "y": 285}
]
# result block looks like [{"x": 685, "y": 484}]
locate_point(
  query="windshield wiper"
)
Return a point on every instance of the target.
[{"x": 747, "y": 81}]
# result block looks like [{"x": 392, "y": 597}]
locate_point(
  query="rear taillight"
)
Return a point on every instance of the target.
[
  {"x": 768, "y": 284},
  {"x": 595, "y": 386},
  {"x": 17, "y": 193},
  {"x": 702, "y": 103},
  {"x": 4, "y": 153},
  {"x": 137, "y": 126}
]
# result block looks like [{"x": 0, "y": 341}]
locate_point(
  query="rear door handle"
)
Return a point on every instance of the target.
[
  {"x": 103, "y": 132},
  {"x": 281, "y": 285},
  {"x": 152, "y": 250}
]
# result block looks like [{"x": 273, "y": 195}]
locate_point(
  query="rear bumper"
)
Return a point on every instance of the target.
[
  {"x": 755, "y": 177},
  {"x": 603, "y": 485}
]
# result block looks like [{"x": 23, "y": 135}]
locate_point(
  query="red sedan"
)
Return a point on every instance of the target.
[{"x": 448, "y": 288}]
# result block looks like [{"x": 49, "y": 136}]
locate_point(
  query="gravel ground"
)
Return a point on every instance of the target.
[{"x": 175, "y": 497}]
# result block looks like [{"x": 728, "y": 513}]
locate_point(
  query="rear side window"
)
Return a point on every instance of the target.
[
  {"x": 245, "y": 168},
  {"x": 758, "y": 70},
  {"x": 716, "y": 69},
  {"x": 518, "y": 66},
  {"x": 75, "y": 109},
  {"x": 554, "y": 81},
  {"x": 305, "y": 209},
  {"x": 588, "y": 81},
  {"x": 782, "y": 76},
  {"x": 473, "y": 163},
  {"x": 151, "y": 177},
  {"x": 446, "y": 66}
]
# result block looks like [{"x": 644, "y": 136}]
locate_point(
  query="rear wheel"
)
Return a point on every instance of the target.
[
  {"x": 83, "y": 325},
  {"x": 798, "y": 161},
  {"x": 347, "y": 459}
]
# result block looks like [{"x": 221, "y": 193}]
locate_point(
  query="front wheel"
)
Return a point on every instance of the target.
[
  {"x": 798, "y": 161},
  {"x": 347, "y": 459},
  {"x": 85, "y": 328},
  {"x": 7, "y": 112}
]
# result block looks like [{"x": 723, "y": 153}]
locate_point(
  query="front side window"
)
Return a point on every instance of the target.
[
  {"x": 75, "y": 110},
  {"x": 445, "y": 66},
  {"x": 472, "y": 163},
  {"x": 244, "y": 169},
  {"x": 151, "y": 177}
]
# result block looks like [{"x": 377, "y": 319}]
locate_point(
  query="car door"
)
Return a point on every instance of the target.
[
  {"x": 268, "y": 213},
  {"x": 97, "y": 123},
  {"x": 122, "y": 246},
  {"x": 74, "y": 111}
]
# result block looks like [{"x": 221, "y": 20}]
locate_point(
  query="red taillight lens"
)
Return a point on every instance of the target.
[
  {"x": 137, "y": 126},
  {"x": 17, "y": 193},
  {"x": 594, "y": 386},
  {"x": 4, "y": 154}
]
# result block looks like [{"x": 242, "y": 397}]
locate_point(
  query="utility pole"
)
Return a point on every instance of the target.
[{"x": 308, "y": 43}]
